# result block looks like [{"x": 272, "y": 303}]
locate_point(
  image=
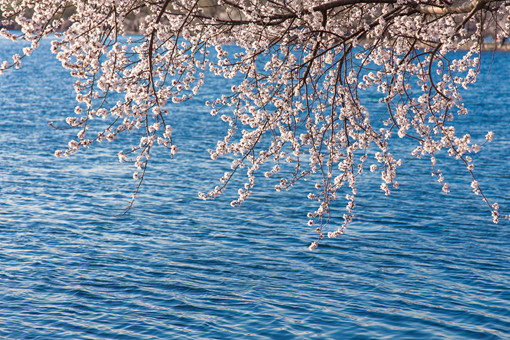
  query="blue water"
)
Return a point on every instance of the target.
[{"x": 415, "y": 265}]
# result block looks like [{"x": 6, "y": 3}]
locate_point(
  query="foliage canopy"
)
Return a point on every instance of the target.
[{"x": 303, "y": 69}]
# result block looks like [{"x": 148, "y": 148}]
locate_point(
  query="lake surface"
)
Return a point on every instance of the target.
[{"x": 418, "y": 264}]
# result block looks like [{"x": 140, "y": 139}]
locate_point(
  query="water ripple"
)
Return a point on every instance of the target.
[{"x": 416, "y": 265}]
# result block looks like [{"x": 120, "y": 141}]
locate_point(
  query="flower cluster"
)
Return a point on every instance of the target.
[{"x": 306, "y": 69}]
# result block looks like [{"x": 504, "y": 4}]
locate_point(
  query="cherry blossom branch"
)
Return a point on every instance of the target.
[{"x": 305, "y": 75}]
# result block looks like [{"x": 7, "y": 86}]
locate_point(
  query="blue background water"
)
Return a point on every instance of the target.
[{"x": 417, "y": 264}]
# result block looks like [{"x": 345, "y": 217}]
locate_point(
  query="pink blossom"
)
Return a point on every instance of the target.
[{"x": 296, "y": 103}]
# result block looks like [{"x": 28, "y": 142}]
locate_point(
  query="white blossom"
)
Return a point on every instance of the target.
[{"x": 300, "y": 83}]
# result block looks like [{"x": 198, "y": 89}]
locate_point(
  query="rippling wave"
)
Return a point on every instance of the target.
[{"x": 415, "y": 265}]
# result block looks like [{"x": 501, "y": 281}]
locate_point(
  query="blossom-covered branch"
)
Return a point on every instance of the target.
[{"x": 303, "y": 73}]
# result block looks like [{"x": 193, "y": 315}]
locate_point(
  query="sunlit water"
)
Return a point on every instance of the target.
[{"x": 417, "y": 264}]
